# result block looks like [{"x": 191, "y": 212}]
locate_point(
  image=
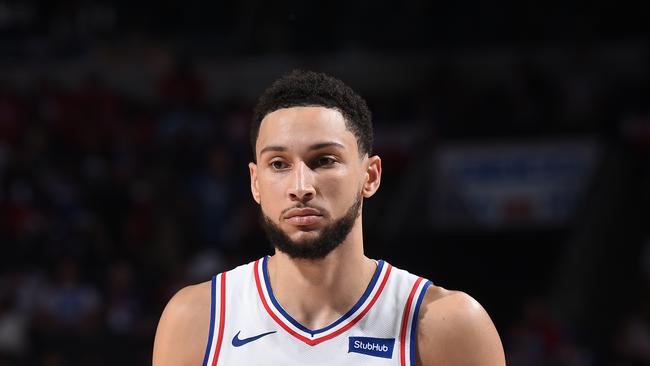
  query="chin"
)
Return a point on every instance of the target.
[{"x": 304, "y": 235}]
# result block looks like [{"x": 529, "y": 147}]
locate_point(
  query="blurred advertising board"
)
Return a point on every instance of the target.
[{"x": 511, "y": 185}]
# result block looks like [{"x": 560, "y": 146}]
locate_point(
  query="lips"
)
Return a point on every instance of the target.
[{"x": 303, "y": 216}]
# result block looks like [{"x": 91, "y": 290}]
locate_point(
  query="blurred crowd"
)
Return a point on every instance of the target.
[
  {"x": 109, "y": 204},
  {"x": 107, "y": 207}
]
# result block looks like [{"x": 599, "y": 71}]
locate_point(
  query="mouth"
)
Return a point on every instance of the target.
[{"x": 303, "y": 216}]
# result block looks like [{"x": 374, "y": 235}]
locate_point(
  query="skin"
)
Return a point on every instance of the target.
[{"x": 307, "y": 157}]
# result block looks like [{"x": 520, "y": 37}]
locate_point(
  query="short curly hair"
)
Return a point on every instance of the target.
[{"x": 307, "y": 88}]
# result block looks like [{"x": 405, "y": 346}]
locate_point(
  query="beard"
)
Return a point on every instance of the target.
[{"x": 317, "y": 247}]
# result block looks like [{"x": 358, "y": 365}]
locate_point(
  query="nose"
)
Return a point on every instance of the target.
[{"x": 302, "y": 188}]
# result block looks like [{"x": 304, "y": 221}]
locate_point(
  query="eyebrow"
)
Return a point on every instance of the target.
[{"x": 316, "y": 146}]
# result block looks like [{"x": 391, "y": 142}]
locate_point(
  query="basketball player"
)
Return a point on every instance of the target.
[{"x": 318, "y": 300}]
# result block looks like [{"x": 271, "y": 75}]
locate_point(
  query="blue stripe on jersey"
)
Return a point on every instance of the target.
[
  {"x": 212, "y": 301},
  {"x": 373, "y": 282},
  {"x": 414, "y": 322}
]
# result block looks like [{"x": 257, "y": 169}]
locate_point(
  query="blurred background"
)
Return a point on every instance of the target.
[{"x": 515, "y": 141}]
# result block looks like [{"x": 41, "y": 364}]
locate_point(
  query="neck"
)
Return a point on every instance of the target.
[{"x": 316, "y": 292}]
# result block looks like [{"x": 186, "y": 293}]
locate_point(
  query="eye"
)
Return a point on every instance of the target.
[
  {"x": 324, "y": 161},
  {"x": 278, "y": 164}
]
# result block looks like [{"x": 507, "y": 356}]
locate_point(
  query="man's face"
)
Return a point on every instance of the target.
[{"x": 309, "y": 179}]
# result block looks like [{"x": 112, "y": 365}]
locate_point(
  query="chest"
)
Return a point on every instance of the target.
[{"x": 249, "y": 327}]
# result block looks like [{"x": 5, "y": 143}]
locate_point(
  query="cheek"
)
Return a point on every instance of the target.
[
  {"x": 331, "y": 187},
  {"x": 342, "y": 188},
  {"x": 271, "y": 196},
  {"x": 271, "y": 184}
]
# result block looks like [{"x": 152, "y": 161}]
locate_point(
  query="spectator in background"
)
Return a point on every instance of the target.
[
  {"x": 632, "y": 342},
  {"x": 181, "y": 86},
  {"x": 14, "y": 322},
  {"x": 13, "y": 115},
  {"x": 212, "y": 189},
  {"x": 123, "y": 305},
  {"x": 632, "y": 339},
  {"x": 538, "y": 340},
  {"x": 69, "y": 306}
]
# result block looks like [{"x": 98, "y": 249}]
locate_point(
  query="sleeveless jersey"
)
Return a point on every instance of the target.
[{"x": 249, "y": 327}]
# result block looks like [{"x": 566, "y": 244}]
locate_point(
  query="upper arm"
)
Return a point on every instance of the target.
[
  {"x": 454, "y": 329},
  {"x": 182, "y": 334}
]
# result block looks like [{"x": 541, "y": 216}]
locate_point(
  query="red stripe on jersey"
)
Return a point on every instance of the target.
[
  {"x": 222, "y": 318},
  {"x": 268, "y": 309},
  {"x": 372, "y": 302},
  {"x": 405, "y": 320}
]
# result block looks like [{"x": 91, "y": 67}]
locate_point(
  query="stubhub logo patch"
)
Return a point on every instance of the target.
[{"x": 378, "y": 347}]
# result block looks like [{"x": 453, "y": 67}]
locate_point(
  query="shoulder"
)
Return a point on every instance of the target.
[
  {"x": 182, "y": 333},
  {"x": 454, "y": 329}
]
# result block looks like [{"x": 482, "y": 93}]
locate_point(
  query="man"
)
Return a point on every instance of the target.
[{"x": 319, "y": 300}]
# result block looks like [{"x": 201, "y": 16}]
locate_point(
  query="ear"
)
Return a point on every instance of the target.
[
  {"x": 255, "y": 190},
  {"x": 373, "y": 176}
]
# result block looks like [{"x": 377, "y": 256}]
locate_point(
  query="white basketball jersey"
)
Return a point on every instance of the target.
[{"x": 249, "y": 327}]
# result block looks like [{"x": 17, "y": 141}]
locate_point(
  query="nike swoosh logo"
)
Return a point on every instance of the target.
[{"x": 237, "y": 342}]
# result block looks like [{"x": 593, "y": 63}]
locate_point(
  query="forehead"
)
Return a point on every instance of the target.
[{"x": 298, "y": 127}]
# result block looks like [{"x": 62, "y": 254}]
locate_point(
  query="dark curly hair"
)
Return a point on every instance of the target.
[{"x": 307, "y": 88}]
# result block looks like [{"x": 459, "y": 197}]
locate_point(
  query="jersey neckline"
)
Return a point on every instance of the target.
[{"x": 309, "y": 336}]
